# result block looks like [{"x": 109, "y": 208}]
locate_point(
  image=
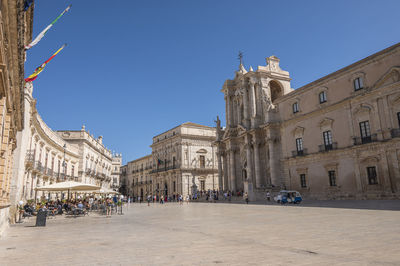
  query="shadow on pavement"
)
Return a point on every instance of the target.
[{"x": 384, "y": 205}]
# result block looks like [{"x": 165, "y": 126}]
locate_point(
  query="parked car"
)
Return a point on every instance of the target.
[{"x": 288, "y": 196}]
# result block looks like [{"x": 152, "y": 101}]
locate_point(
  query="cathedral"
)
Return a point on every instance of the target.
[{"x": 336, "y": 137}]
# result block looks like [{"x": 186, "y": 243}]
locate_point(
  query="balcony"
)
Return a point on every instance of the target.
[
  {"x": 49, "y": 172},
  {"x": 38, "y": 167},
  {"x": 395, "y": 132},
  {"x": 329, "y": 147},
  {"x": 61, "y": 177},
  {"x": 302, "y": 152},
  {"x": 163, "y": 169},
  {"x": 365, "y": 140},
  {"x": 30, "y": 158}
]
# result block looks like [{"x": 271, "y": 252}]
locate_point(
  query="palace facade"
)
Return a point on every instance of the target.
[
  {"x": 44, "y": 156},
  {"x": 15, "y": 33},
  {"x": 337, "y": 137},
  {"x": 183, "y": 161}
]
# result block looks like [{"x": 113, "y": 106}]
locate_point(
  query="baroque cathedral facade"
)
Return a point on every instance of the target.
[{"x": 336, "y": 137}]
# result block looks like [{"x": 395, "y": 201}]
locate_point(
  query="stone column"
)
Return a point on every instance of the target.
[
  {"x": 229, "y": 113},
  {"x": 259, "y": 182},
  {"x": 249, "y": 168},
  {"x": 245, "y": 105},
  {"x": 225, "y": 172},
  {"x": 232, "y": 172},
  {"x": 220, "y": 181},
  {"x": 274, "y": 161}
]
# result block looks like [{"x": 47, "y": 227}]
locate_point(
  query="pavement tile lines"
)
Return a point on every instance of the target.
[{"x": 210, "y": 234}]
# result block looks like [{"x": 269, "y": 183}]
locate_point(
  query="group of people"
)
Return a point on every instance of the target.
[
  {"x": 209, "y": 196},
  {"x": 72, "y": 206}
]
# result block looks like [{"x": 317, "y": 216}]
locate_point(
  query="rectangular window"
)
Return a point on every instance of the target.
[
  {"x": 332, "y": 178},
  {"x": 327, "y": 139},
  {"x": 202, "y": 161},
  {"x": 203, "y": 185},
  {"x": 174, "y": 184},
  {"x": 303, "y": 180},
  {"x": 358, "y": 84},
  {"x": 295, "y": 107},
  {"x": 372, "y": 177},
  {"x": 322, "y": 97},
  {"x": 365, "y": 132},
  {"x": 299, "y": 146}
]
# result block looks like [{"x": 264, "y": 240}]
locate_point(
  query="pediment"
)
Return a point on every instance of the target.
[
  {"x": 202, "y": 151},
  {"x": 326, "y": 122},
  {"x": 390, "y": 77},
  {"x": 363, "y": 108},
  {"x": 298, "y": 131},
  {"x": 371, "y": 159}
]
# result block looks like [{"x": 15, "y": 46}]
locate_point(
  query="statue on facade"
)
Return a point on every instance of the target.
[
  {"x": 267, "y": 104},
  {"x": 219, "y": 130}
]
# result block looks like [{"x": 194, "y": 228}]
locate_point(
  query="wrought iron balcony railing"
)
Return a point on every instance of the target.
[
  {"x": 365, "y": 140},
  {"x": 395, "y": 132},
  {"x": 327, "y": 147},
  {"x": 299, "y": 152}
]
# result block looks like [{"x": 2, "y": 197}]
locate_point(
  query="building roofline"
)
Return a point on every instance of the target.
[
  {"x": 138, "y": 159},
  {"x": 185, "y": 124},
  {"x": 340, "y": 71}
]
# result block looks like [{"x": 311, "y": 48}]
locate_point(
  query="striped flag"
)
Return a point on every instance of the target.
[
  {"x": 41, "y": 67},
  {"x": 41, "y": 35}
]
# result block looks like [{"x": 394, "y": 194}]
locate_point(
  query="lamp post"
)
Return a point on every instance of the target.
[{"x": 64, "y": 163}]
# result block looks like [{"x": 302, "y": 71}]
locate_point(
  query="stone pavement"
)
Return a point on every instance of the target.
[{"x": 207, "y": 234}]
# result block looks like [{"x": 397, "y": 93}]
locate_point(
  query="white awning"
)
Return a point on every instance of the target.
[{"x": 68, "y": 185}]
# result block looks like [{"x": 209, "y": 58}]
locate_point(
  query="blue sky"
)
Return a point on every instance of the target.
[{"x": 134, "y": 69}]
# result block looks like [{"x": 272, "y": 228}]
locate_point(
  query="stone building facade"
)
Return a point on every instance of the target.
[
  {"x": 45, "y": 156},
  {"x": 95, "y": 160},
  {"x": 337, "y": 137},
  {"x": 15, "y": 33},
  {"x": 183, "y": 161},
  {"x": 137, "y": 177},
  {"x": 116, "y": 171}
]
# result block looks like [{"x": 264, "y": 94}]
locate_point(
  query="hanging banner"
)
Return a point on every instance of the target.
[
  {"x": 41, "y": 67},
  {"x": 41, "y": 35}
]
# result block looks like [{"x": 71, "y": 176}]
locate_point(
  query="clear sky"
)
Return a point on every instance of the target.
[{"x": 134, "y": 69}]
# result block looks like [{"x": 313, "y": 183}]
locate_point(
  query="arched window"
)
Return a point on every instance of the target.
[{"x": 276, "y": 90}]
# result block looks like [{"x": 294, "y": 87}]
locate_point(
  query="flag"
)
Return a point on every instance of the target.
[
  {"x": 159, "y": 161},
  {"x": 41, "y": 67},
  {"x": 41, "y": 35},
  {"x": 27, "y": 4}
]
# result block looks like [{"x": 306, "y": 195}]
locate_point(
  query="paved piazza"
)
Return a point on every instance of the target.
[{"x": 206, "y": 233}]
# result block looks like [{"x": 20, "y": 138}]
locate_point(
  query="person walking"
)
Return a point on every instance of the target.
[
  {"x": 148, "y": 200},
  {"x": 162, "y": 199},
  {"x": 187, "y": 198},
  {"x": 268, "y": 196},
  {"x": 246, "y": 197}
]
